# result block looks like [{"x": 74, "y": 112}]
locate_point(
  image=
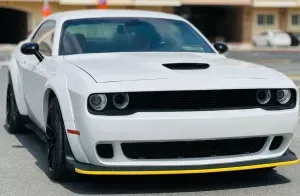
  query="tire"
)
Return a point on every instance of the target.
[
  {"x": 56, "y": 157},
  {"x": 14, "y": 121}
]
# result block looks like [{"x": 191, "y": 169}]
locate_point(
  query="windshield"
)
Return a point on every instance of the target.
[{"x": 130, "y": 35}]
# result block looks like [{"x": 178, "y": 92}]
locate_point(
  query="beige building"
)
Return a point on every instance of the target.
[
  {"x": 275, "y": 14},
  {"x": 20, "y": 17},
  {"x": 228, "y": 20}
]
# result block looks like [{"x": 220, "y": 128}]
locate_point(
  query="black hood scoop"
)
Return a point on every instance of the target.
[{"x": 186, "y": 66}]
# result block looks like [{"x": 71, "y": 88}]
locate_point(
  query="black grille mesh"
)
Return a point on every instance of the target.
[
  {"x": 192, "y": 149},
  {"x": 193, "y": 100}
]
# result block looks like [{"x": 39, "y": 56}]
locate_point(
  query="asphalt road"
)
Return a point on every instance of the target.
[
  {"x": 23, "y": 162},
  {"x": 287, "y": 63}
]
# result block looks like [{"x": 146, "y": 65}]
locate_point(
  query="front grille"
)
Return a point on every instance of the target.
[
  {"x": 192, "y": 149},
  {"x": 197, "y": 100}
]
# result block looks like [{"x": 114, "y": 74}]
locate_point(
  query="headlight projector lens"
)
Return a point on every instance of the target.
[
  {"x": 263, "y": 96},
  {"x": 121, "y": 100},
  {"x": 98, "y": 101},
  {"x": 283, "y": 96}
]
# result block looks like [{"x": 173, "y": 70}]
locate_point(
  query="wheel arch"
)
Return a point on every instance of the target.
[
  {"x": 63, "y": 100},
  {"x": 48, "y": 95}
]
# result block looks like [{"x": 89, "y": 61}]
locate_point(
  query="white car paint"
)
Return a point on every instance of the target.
[
  {"x": 272, "y": 38},
  {"x": 138, "y": 66},
  {"x": 74, "y": 77}
]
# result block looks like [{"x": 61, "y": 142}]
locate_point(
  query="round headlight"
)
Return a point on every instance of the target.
[
  {"x": 283, "y": 96},
  {"x": 263, "y": 96},
  {"x": 121, "y": 100},
  {"x": 98, "y": 101}
]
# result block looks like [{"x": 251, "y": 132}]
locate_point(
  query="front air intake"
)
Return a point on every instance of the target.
[
  {"x": 186, "y": 66},
  {"x": 193, "y": 149},
  {"x": 276, "y": 143},
  {"x": 105, "y": 151}
]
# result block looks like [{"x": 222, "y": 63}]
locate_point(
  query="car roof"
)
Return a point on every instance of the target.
[{"x": 83, "y": 14}]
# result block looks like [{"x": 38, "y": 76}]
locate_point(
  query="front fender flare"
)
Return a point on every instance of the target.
[{"x": 58, "y": 85}]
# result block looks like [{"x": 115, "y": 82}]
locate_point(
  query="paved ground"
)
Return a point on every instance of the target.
[
  {"x": 288, "y": 63},
  {"x": 22, "y": 165}
]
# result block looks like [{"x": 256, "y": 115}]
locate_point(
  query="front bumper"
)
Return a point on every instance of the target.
[
  {"x": 288, "y": 158},
  {"x": 176, "y": 126},
  {"x": 199, "y": 126}
]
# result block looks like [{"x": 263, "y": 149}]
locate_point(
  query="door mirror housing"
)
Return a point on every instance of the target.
[
  {"x": 221, "y": 47},
  {"x": 32, "y": 48}
]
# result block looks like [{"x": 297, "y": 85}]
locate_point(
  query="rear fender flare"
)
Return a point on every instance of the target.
[{"x": 14, "y": 76}]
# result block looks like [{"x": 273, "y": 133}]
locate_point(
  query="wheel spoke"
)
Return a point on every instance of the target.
[
  {"x": 51, "y": 155},
  {"x": 8, "y": 105},
  {"x": 53, "y": 123},
  {"x": 49, "y": 134},
  {"x": 51, "y": 139},
  {"x": 53, "y": 133},
  {"x": 51, "y": 142}
]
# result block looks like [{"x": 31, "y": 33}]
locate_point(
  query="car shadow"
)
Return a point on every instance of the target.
[{"x": 91, "y": 185}]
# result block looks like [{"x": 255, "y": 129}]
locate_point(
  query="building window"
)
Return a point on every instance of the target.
[
  {"x": 265, "y": 19},
  {"x": 295, "y": 19},
  {"x": 260, "y": 19}
]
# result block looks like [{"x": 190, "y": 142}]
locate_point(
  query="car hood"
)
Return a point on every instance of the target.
[{"x": 115, "y": 67}]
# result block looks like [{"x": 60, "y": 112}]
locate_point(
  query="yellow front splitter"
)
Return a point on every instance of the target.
[{"x": 288, "y": 158}]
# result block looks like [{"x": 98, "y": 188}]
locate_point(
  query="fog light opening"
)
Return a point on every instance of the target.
[
  {"x": 276, "y": 143},
  {"x": 105, "y": 151}
]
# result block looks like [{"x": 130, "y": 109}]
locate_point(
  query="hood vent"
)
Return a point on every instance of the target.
[{"x": 186, "y": 66}]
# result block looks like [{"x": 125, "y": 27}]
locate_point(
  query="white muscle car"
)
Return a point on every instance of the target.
[
  {"x": 124, "y": 92},
  {"x": 273, "y": 37}
]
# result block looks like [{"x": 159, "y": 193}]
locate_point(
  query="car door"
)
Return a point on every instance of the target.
[{"x": 36, "y": 73}]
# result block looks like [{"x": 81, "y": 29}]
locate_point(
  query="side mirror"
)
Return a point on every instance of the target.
[
  {"x": 32, "y": 48},
  {"x": 221, "y": 48}
]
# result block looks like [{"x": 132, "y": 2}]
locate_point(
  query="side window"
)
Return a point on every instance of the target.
[
  {"x": 81, "y": 38},
  {"x": 44, "y": 37},
  {"x": 92, "y": 31}
]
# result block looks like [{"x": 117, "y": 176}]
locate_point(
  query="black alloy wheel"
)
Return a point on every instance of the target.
[
  {"x": 14, "y": 119},
  {"x": 56, "y": 157}
]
